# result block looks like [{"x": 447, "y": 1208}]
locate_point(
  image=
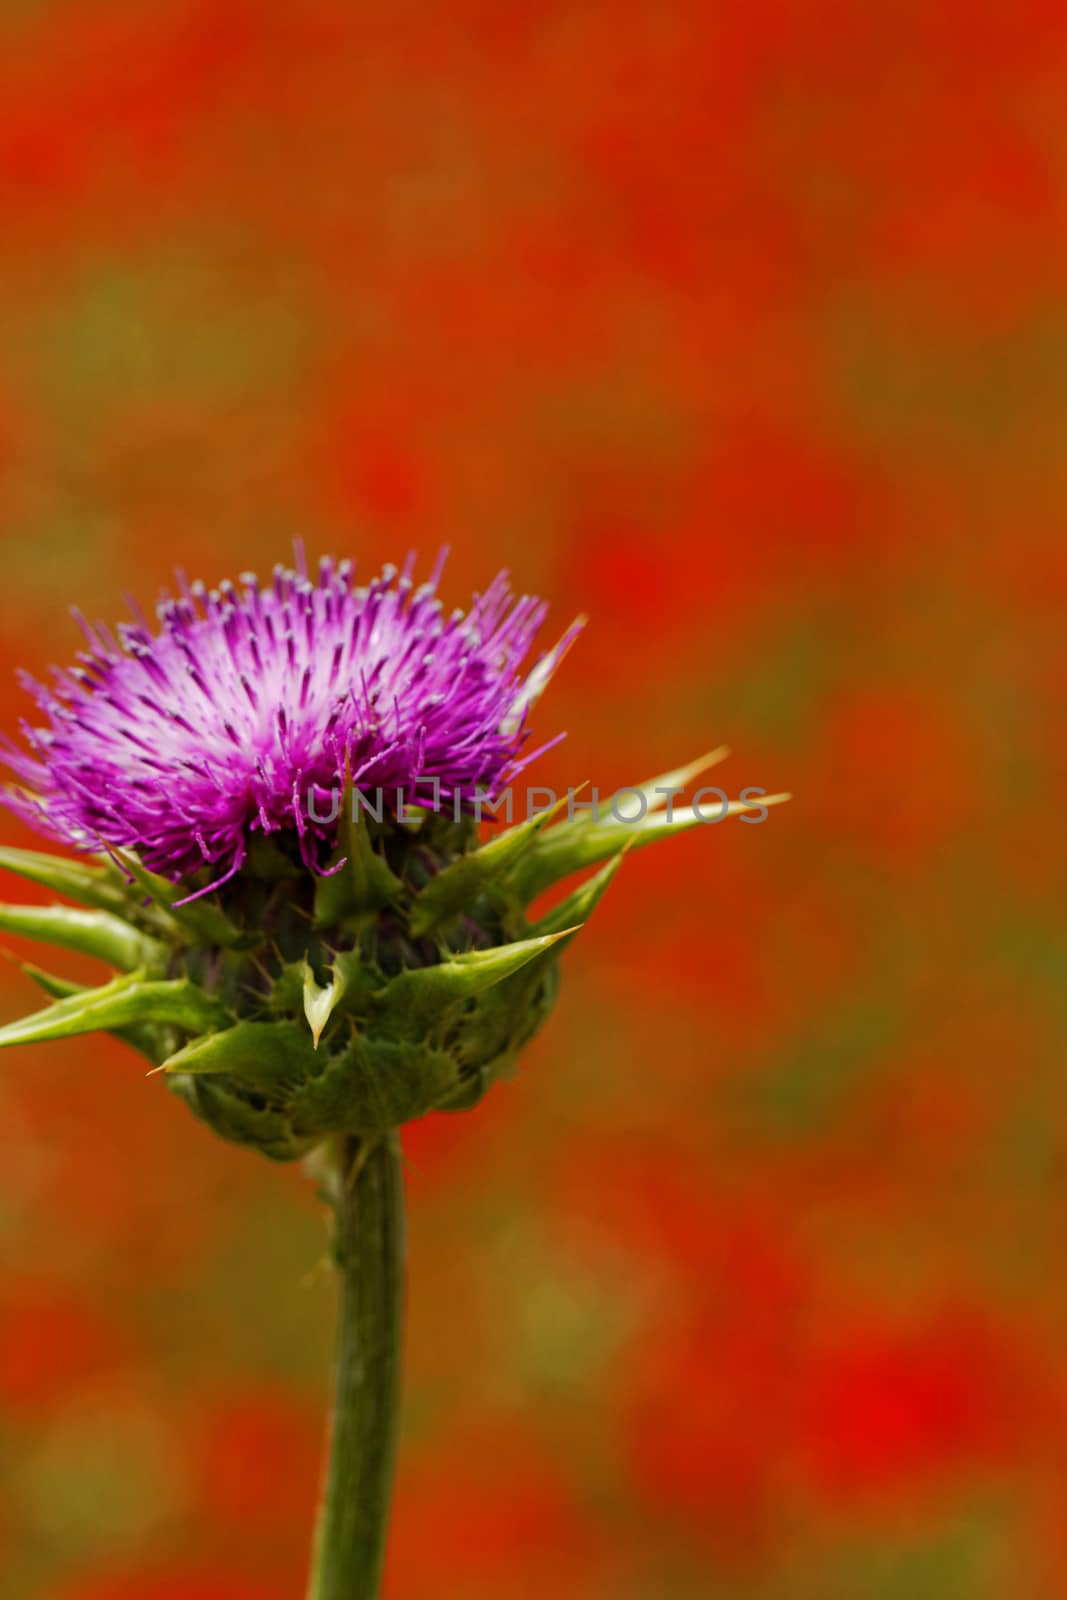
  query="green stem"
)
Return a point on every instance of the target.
[{"x": 369, "y": 1250}]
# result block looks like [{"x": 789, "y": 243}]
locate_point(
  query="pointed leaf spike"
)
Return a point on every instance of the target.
[
  {"x": 419, "y": 993},
  {"x": 572, "y": 846},
  {"x": 374, "y": 883},
  {"x": 579, "y": 906},
  {"x": 679, "y": 779},
  {"x": 258, "y": 1054},
  {"x": 511, "y": 844},
  {"x": 126, "y": 1000},
  {"x": 142, "y": 1037},
  {"x": 541, "y": 675},
  {"x": 455, "y": 888},
  {"x": 320, "y": 1000},
  {"x": 79, "y": 880},
  {"x": 92, "y": 933},
  {"x": 56, "y": 988},
  {"x": 656, "y": 827}
]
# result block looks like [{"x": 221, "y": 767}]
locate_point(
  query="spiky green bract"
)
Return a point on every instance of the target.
[
  {"x": 90, "y": 933},
  {"x": 291, "y": 1009},
  {"x": 81, "y": 881},
  {"x": 586, "y": 841},
  {"x": 474, "y": 873},
  {"x": 130, "y": 999}
]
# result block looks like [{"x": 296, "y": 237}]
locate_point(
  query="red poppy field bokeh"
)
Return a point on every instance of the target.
[{"x": 741, "y": 327}]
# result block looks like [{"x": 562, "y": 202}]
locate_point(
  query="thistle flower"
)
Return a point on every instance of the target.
[
  {"x": 309, "y": 974},
  {"x": 186, "y": 745}
]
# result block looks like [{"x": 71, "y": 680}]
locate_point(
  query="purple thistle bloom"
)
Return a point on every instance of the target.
[{"x": 182, "y": 745}]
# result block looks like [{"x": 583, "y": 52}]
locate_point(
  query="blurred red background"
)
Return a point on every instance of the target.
[{"x": 741, "y": 327}]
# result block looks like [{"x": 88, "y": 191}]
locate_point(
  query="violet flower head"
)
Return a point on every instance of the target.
[{"x": 182, "y": 745}]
